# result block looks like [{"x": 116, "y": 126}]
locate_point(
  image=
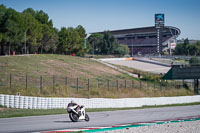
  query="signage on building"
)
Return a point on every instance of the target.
[
  {"x": 159, "y": 20},
  {"x": 173, "y": 45}
]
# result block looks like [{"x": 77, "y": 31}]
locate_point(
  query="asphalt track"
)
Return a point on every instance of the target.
[
  {"x": 97, "y": 119},
  {"x": 143, "y": 65}
]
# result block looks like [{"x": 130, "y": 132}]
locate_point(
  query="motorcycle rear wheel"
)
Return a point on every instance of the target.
[
  {"x": 87, "y": 117},
  {"x": 74, "y": 117}
]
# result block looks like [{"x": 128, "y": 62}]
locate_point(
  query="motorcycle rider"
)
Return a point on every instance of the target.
[
  {"x": 77, "y": 112},
  {"x": 78, "y": 106}
]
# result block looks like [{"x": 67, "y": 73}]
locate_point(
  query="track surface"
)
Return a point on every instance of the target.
[
  {"x": 108, "y": 118},
  {"x": 143, "y": 66}
]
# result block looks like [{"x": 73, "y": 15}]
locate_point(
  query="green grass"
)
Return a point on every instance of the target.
[
  {"x": 49, "y": 65},
  {"x": 146, "y": 76},
  {"x": 62, "y": 66},
  {"x": 9, "y": 112},
  {"x": 55, "y": 65}
]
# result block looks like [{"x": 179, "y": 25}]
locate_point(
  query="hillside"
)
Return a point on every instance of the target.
[
  {"x": 56, "y": 65},
  {"x": 69, "y": 76}
]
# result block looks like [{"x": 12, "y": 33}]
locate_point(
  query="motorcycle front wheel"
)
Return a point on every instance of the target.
[
  {"x": 73, "y": 117},
  {"x": 87, "y": 117}
]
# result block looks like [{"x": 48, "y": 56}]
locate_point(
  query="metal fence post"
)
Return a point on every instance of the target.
[
  {"x": 10, "y": 81},
  {"x": 77, "y": 84},
  {"x": 160, "y": 84},
  {"x": 108, "y": 85},
  {"x": 117, "y": 85},
  {"x": 40, "y": 83},
  {"x": 132, "y": 84},
  {"x": 26, "y": 81},
  {"x": 66, "y": 82},
  {"x": 88, "y": 84},
  {"x": 125, "y": 84},
  {"x": 98, "y": 83},
  {"x": 53, "y": 82}
]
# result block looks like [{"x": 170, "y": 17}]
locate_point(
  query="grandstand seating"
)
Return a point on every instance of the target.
[{"x": 144, "y": 40}]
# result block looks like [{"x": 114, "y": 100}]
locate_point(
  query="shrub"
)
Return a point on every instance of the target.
[{"x": 194, "y": 61}]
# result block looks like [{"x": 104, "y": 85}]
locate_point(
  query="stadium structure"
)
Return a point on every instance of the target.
[{"x": 148, "y": 40}]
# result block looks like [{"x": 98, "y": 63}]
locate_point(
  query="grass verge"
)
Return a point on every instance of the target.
[{"x": 9, "y": 112}]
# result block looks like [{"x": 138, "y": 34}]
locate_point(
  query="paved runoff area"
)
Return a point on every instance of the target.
[{"x": 143, "y": 66}]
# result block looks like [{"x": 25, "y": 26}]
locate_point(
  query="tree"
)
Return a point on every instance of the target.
[
  {"x": 105, "y": 43},
  {"x": 194, "y": 61},
  {"x": 109, "y": 43},
  {"x": 11, "y": 30},
  {"x": 122, "y": 50},
  {"x": 192, "y": 49},
  {"x": 96, "y": 43},
  {"x": 186, "y": 41},
  {"x": 81, "y": 31},
  {"x": 32, "y": 31},
  {"x": 182, "y": 49},
  {"x": 49, "y": 39}
]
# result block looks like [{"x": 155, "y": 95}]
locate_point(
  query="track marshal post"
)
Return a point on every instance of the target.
[{"x": 183, "y": 72}]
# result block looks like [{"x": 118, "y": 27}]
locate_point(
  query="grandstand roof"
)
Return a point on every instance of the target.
[{"x": 145, "y": 30}]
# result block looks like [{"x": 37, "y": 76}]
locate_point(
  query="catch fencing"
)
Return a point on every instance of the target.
[{"x": 27, "y": 82}]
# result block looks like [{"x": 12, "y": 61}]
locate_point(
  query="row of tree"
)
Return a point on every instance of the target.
[
  {"x": 105, "y": 43},
  {"x": 32, "y": 31},
  {"x": 187, "y": 49}
]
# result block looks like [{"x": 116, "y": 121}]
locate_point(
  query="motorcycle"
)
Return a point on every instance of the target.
[{"x": 77, "y": 113}]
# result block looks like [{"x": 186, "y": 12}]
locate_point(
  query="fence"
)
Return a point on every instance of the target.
[
  {"x": 26, "y": 82},
  {"x": 26, "y": 102}
]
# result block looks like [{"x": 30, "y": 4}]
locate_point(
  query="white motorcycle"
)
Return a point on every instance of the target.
[{"x": 77, "y": 113}]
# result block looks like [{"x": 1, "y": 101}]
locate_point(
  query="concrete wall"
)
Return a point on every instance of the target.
[{"x": 27, "y": 102}]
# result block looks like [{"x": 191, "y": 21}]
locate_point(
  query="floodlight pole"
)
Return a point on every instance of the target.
[{"x": 159, "y": 24}]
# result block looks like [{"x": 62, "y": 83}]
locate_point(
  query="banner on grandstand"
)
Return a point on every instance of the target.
[{"x": 173, "y": 45}]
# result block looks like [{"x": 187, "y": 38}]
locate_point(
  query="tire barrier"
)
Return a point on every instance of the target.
[
  {"x": 6, "y": 100},
  {"x": 2, "y": 100},
  {"x": 11, "y": 101},
  {"x": 34, "y": 102},
  {"x": 30, "y": 102},
  {"x": 16, "y": 101},
  {"x": 25, "y": 102},
  {"x": 21, "y": 102}
]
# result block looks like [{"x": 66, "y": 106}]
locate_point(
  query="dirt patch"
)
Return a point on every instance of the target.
[
  {"x": 87, "y": 68},
  {"x": 98, "y": 69},
  {"x": 4, "y": 109}
]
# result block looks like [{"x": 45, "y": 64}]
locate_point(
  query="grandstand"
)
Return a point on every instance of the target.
[{"x": 144, "y": 40}]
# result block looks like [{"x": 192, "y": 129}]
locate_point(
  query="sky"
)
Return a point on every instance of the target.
[{"x": 101, "y": 15}]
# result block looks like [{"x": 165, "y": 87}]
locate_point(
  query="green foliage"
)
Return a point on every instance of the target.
[
  {"x": 187, "y": 49},
  {"x": 109, "y": 43},
  {"x": 122, "y": 49},
  {"x": 180, "y": 49},
  {"x": 194, "y": 61},
  {"x": 96, "y": 43},
  {"x": 105, "y": 43},
  {"x": 34, "y": 31},
  {"x": 71, "y": 40}
]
